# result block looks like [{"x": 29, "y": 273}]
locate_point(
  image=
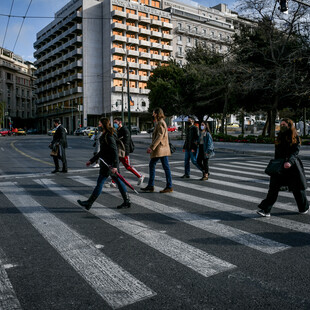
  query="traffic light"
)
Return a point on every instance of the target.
[{"x": 283, "y": 5}]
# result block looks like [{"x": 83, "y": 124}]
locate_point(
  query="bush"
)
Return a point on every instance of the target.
[{"x": 242, "y": 139}]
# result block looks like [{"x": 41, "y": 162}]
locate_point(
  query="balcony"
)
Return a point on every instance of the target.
[
  {"x": 132, "y": 29},
  {"x": 167, "y": 25},
  {"x": 118, "y": 50},
  {"x": 144, "y": 91},
  {"x": 144, "y": 78},
  {"x": 167, "y": 48},
  {"x": 156, "y": 22},
  {"x": 118, "y": 38},
  {"x": 119, "y": 26},
  {"x": 133, "y": 65},
  {"x": 134, "y": 90},
  {"x": 144, "y": 31},
  {"x": 132, "y": 53},
  {"x": 155, "y": 56},
  {"x": 145, "y": 55},
  {"x": 132, "y": 41},
  {"x": 117, "y": 13},
  {"x": 165, "y": 58},
  {"x": 156, "y": 45},
  {"x": 118, "y": 63},
  {"x": 145, "y": 43},
  {"x": 179, "y": 54},
  {"x": 144, "y": 19},
  {"x": 167, "y": 36},
  {"x": 132, "y": 16},
  {"x": 133, "y": 77},
  {"x": 156, "y": 34}
]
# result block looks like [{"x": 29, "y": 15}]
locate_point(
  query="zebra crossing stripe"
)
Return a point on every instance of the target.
[
  {"x": 214, "y": 204},
  {"x": 116, "y": 286},
  {"x": 207, "y": 224},
  {"x": 196, "y": 259},
  {"x": 8, "y": 298}
]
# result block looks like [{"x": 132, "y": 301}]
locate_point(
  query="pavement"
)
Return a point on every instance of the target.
[{"x": 241, "y": 148}]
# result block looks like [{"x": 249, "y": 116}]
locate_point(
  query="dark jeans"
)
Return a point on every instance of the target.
[
  {"x": 100, "y": 182},
  {"x": 300, "y": 197},
  {"x": 190, "y": 156},
  {"x": 165, "y": 164},
  {"x": 62, "y": 157},
  {"x": 202, "y": 162}
]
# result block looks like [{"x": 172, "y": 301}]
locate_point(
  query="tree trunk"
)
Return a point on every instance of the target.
[
  {"x": 224, "y": 114},
  {"x": 304, "y": 119}
]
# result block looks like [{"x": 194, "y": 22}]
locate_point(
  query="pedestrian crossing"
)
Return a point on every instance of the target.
[{"x": 234, "y": 189}]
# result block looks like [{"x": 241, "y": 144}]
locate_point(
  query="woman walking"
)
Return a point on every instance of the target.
[
  {"x": 287, "y": 147},
  {"x": 109, "y": 153},
  {"x": 205, "y": 150},
  {"x": 159, "y": 150}
]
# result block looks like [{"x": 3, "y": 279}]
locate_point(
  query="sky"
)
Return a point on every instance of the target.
[{"x": 31, "y": 26}]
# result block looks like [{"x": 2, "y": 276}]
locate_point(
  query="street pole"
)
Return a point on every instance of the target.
[
  {"x": 128, "y": 97},
  {"x": 123, "y": 117}
]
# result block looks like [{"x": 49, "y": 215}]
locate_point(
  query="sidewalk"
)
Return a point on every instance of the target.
[{"x": 240, "y": 148}]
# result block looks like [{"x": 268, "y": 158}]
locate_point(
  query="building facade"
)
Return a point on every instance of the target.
[
  {"x": 96, "y": 57},
  {"x": 17, "y": 99}
]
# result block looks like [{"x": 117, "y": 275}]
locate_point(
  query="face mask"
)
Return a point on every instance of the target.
[
  {"x": 100, "y": 128},
  {"x": 202, "y": 127},
  {"x": 115, "y": 125},
  {"x": 283, "y": 129}
]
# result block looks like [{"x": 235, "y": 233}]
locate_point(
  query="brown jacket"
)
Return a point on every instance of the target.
[{"x": 160, "y": 142}]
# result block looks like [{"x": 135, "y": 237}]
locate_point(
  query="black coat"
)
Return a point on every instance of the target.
[
  {"x": 108, "y": 152},
  {"x": 293, "y": 177},
  {"x": 60, "y": 137},
  {"x": 124, "y": 135},
  {"x": 191, "y": 140}
]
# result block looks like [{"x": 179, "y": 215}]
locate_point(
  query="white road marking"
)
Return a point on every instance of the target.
[
  {"x": 2, "y": 149},
  {"x": 207, "y": 224},
  {"x": 8, "y": 298},
  {"x": 115, "y": 285},
  {"x": 196, "y": 259}
]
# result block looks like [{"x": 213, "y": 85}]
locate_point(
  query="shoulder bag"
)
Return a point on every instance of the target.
[{"x": 275, "y": 167}]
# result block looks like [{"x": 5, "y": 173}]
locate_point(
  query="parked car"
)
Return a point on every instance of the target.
[
  {"x": 32, "y": 131},
  {"x": 5, "y": 132},
  {"x": 150, "y": 130},
  {"x": 233, "y": 125},
  {"x": 135, "y": 130},
  {"x": 172, "y": 128},
  {"x": 51, "y": 132},
  {"x": 79, "y": 131},
  {"x": 92, "y": 132},
  {"x": 20, "y": 132}
]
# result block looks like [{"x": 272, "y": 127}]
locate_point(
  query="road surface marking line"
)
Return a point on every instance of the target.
[
  {"x": 2, "y": 149},
  {"x": 8, "y": 298},
  {"x": 213, "y": 204},
  {"x": 207, "y": 224},
  {"x": 193, "y": 258},
  {"x": 26, "y": 155},
  {"x": 115, "y": 285}
]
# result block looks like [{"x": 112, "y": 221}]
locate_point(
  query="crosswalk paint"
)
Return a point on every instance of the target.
[
  {"x": 116, "y": 286},
  {"x": 207, "y": 224},
  {"x": 194, "y": 258},
  {"x": 8, "y": 298}
]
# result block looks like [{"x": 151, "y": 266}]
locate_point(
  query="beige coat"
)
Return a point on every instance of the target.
[{"x": 160, "y": 142}]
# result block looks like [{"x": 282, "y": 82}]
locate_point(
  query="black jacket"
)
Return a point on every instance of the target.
[
  {"x": 60, "y": 137},
  {"x": 293, "y": 177},
  {"x": 108, "y": 152},
  {"x": 191, "y": 140},
  {"x": 124, "y": 135}
]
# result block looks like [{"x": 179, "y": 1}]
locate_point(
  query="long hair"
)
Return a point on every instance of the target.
[
  {"x": 107, "y": 125},
  {"x": 207, "y": 127},
  {"x": 160, "y": 113},
  {"x": 290, "y": 136}
]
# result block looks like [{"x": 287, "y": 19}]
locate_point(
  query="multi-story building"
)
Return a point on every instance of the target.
[
  {"x": 93, "y": 49},
  {"x": 83, "y": 57},
  {"x": 17, "y": 106}
]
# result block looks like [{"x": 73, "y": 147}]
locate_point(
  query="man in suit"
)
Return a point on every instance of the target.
[{"x": 59, "y": 142}]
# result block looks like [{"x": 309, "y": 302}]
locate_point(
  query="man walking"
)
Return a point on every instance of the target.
[
  {"x": 59, "y": 144},
  {"x": 190, "y": 146},
  {"x": 124, "y": 136}
]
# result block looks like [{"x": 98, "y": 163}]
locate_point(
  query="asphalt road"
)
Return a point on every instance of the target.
[{"x": 200, "y": 247}]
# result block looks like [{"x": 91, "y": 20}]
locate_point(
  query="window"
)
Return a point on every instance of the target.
[
  {"x": 196, "y": 42},
  {"x": 188, "y": 27},
  {"x": 130, "y": 11},
  {"x": 154, "y": 17},
  {"x": 204, "y": 32},
  {"x": 143, "y": 104},
  {"x": 117, "y": 8},
  {"x": 179, "y": 26},
  {"x": 146, "y": 2},
  {"x": 142, "y": 14},
  {"x": 212, "y": 34},
  {"x": 165, "y": 20},
  {"x": 180, "y": 62},
  {"x": 156, "y": 4},
  {"x": 188, "y": 40},
  {"x": 180, "y": 49}
]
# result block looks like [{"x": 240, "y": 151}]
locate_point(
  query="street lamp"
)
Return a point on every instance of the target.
[{"x": 70, "y": 99}]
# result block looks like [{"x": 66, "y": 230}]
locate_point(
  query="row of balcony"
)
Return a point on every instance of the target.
[
  {"x": 134, "y": 77},
  {"x": 72, "y": 66},
  {"x": 133, "y": 90},
  {"x": 78, "y": 76},
  {"x": 121, "y": 51},
  {"x": 117, "y": 13},
  {"x": 124, "y": 39},
  {"x": 122, "y": 63},
  {"x": 50, "y": 44},
  {"x": 64, "y": 93},
  {"x": 58, "y": 60},
  {"x": 59, "y": 49},
  {"x": 133, "y": 41},
  {"x": 56, "y": 28}
]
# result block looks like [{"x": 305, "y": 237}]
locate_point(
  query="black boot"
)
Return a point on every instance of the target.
[
  {"x": 126, "y": 204},
  {"x": 87, "y": 203}
]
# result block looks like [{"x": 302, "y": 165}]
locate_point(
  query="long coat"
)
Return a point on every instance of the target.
[
  {"x": 160, "y": 141},
  {"x": 108, "y": 152},
  {"x": 60, "y": 137},
  {"x": 293, "y": 177}
]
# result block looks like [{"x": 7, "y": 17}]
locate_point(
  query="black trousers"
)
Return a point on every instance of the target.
[
  {"x": 62, "y": 157},
  {"x": 299, "y": 195},
  {"x": 202, "y": 162}
]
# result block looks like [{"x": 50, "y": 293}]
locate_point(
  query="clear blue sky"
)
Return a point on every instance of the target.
[{"x": 40, "y": 8}]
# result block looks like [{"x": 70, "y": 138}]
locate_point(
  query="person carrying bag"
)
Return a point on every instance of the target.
[{"x": 286, "y": 170}]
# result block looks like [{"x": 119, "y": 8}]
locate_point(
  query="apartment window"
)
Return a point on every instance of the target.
[
  {"x": 143, "y": 61},
  {"x": 117, "y": 20},
  {"x": 117, "y": 82},
  {"x": 130, "y": 35},
  {"x": 142, "y": 14},
  {"x": 143, "y": 38},
  {"x": 204, "y": 32},
  {"x": 117, "y": 32},
  {"x": 142, "y": 50},
  {"x": 180, "y": 38},
  {"x": 131, "y": 59},
  {"x": 165, "y": 53},
  {"x": 188, "y": 40},
  {"x": 196, "y": 42},
  {"x": 154, "y": 17},
  {"x": 196, "y": 30},
  {"x": 220, "y": 35},
  {"x": 179, "y": 26},
  {"x": 117, "y": 8},
  {"x": 130, "y": 24},
  {"x": 164, "y": 42},
  {"x": 188, "y": 27},
  {"x": 212, "y": 34},
  {"x": 142, "y": 26},
  {"x": 156, "y": 4},
  {"x": 155, "y": 29},
  {"x": 117, "y": 57},
  {"x": 165, "y": 31},
  {"x": 9, "y": 76},
  {"x": 130, "y": 11},
  {"x": 143, "y": 104},
  {"x": 118, "y": 45},
  {"x": 154, "y": 40},
  {"x": 146, "y": 2},
  {"x": 180, "y": 50}
]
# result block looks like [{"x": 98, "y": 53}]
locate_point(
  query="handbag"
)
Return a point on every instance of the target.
[
  {"x": 275, "y": 167},
  {"x": 172, "y": 148},
  {"x": 55, "y": 150}
]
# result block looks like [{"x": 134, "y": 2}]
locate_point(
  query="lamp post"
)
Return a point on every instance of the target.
[
  {"x": 70, "y": 99},
  {"x": 128, "y": 97}
]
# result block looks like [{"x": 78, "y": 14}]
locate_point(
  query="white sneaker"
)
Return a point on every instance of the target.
[
  {"x": 305, "y": 212},
  {"x": 107, "y": 185},
  {"x": 141, "y": 179},
  {"x": 96, "y": 166},
  {"x": 263, "y": 213},
  {"x": 112, "y": 185}
]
